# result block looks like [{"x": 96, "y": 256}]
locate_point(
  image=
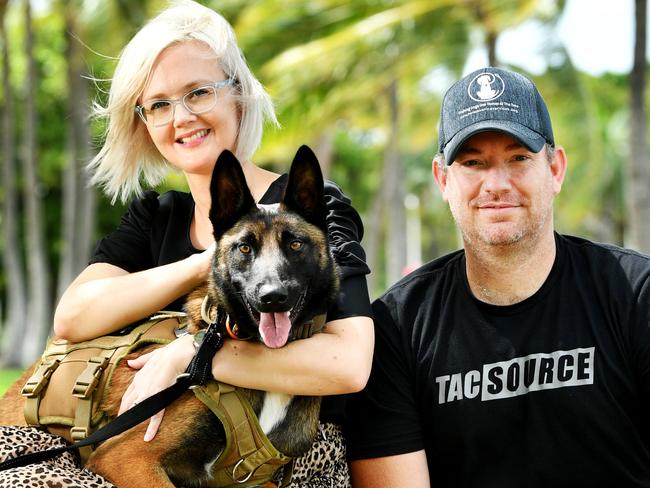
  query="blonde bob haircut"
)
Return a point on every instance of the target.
[{"x": 128, "y": 156}]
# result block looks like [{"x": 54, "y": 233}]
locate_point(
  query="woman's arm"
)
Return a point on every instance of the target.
[
  {"x": 105, "y": 298},
  {"x": 335, "y": 361},
  {"x": 409, "y": 469}
]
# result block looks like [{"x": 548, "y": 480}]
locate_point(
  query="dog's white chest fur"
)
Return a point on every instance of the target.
[{"x": 274, "y": 410}]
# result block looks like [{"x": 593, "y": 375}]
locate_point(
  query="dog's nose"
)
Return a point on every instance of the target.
[{"x": 273, "y": 295}]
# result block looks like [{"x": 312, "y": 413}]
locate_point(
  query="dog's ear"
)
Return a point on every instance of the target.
[
  {"x": 305, "y": 193},
  {"x": 231, "y": 198}
]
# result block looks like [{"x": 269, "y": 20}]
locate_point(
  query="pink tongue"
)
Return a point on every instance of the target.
[{"x": 274, "y": 328}]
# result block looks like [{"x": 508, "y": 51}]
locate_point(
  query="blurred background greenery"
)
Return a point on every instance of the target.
[
  {"x": 7, "y": 377},
  {"x": 359, "y": 81}
]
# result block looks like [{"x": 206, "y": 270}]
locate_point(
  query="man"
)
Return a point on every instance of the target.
[{"x": 523, "y": 359}]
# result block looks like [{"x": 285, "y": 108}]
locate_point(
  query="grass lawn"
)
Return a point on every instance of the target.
[{"x": 7, "y": 377}]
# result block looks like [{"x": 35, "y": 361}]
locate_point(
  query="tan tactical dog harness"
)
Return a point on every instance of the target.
[
  {"x": 85, "y": 369},
  {"x": 249, "y": 458}
]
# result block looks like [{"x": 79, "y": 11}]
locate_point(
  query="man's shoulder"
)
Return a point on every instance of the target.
[
  {"x": 428, "y": 276},
  {"x": 608, "y": 259},
  {"x": 602, "y": 249}
]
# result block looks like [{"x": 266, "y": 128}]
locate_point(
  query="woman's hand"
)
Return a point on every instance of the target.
[
  {"x": 205, "y": 260},
  {"x": 135, "y": 295},
  {"x": 157, "y": 371}
]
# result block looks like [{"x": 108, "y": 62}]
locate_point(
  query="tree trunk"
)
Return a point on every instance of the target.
[
  {"x": 373, "y": 236},
  {"x": 491, "y": 42},
  {"x": 78, "y": 197},
  {"x": 388, "y": 206},
  {"x": 638, "y": 173},
  {"x": 395, "y": 194},
  {"x": 482, "y": 15},
  {"x": 39, "y": 312},
  {"x": 16, "y": 306},
  {"x": 88, "y": 209},
  {"x": 413, "y": 232},
  {"x": 324, "y": 150},
  {"x": 70, "y": 186}
]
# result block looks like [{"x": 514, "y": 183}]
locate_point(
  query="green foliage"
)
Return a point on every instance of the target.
[
  {"x": 357, "y": 167},
  {"x": 7, "y": 378},
  {"x": 328, "y": 65}
]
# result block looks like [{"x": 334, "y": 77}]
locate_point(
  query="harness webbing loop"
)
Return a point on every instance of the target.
[{"x": 198, "y": 372}]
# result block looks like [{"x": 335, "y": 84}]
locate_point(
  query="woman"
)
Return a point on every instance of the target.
[{"x": 182, "y": 93}]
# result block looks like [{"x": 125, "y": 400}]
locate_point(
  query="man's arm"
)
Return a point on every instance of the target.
[{"x": 409, "y": 469}]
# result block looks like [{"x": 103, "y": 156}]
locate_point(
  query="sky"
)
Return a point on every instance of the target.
[{"x": 598, "y": 34}]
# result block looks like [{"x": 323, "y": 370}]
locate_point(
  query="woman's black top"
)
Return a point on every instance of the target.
[{"x": 156, "y": 231}]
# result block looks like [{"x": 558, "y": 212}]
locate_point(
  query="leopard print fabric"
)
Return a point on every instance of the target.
[
  {"x": 324, "y": 465},
  {"x": 63, "y": 471}
]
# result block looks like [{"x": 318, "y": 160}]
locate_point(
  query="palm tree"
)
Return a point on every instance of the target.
[
  {"x": 358, "y": 69},
  {"x": 638, "y": 172},
  {"x": 365, "y": 61},
  {"x": 39, "y": 305},
  {"x": 493, "y": 16},
  {"x": 11, "y": 256},
  {"x": 78, "y": 196}
]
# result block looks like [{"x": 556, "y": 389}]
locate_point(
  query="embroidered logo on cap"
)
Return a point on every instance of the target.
[{"x": 485, "y": 87}]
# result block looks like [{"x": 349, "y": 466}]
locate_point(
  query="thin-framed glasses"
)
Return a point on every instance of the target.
[{"x": 199, "y": 100}]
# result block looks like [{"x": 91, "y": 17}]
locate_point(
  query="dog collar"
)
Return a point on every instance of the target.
[{"x": 231, "y": 327}]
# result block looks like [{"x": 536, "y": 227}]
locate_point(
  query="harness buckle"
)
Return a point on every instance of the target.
[
  {"x": 89, "y": 378},
  {"x": 40, "y": 378},
  {"x": 78, "y": 433}
]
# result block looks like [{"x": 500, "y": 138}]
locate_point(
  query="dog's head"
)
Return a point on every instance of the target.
[{"x": 272, "y": 269}]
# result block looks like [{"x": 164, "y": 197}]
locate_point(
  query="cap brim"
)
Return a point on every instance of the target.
[{"x": 529, "y": 138}]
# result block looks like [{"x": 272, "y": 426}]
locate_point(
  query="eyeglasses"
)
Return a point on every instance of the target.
[{"x": 197, "y": 101}]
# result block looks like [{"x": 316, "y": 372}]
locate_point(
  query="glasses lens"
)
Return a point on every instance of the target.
[
  {"x": 158, "y": 112},
  {"x": 201, "y": 100},
  {"x": 198, "y": 101}
]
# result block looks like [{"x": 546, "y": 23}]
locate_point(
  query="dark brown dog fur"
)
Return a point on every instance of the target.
[{"x": 191, "y": 436}]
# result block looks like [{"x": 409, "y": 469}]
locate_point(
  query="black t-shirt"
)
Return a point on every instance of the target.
[
  {"x": 156, "y": 231},
  {"x": 551, "y": 391}
]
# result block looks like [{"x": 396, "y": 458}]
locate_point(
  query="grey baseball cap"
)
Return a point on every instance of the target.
[{"x": 493, "y": 99}]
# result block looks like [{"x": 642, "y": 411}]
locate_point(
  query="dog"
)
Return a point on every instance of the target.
[{"x": 272, "y": 272}]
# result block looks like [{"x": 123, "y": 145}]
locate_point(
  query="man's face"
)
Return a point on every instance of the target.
[{"x": 499, "y": 192}]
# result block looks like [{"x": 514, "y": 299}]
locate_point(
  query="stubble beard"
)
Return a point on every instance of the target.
[{"x": 516, "y": 236}]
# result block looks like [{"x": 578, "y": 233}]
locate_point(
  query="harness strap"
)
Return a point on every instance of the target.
[
  {"x": 198, "y": 372},
  {"x": 249, "y": 458},
  {"x": 65, "y": 365},
  {"x": 84, "y": 389},
  {"x": 35, "y": 385},
  {"x": 132, "y": 417},
  {"x": 313, "y": 326}
]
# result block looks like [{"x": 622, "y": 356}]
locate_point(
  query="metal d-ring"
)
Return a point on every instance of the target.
[
  {"x": 241, "y": 481},
  {"x": 205, "y": 310},
  {"x": 181, "y": 331}
]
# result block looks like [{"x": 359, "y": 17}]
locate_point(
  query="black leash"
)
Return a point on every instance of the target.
[{"x": 197, "y": 373}]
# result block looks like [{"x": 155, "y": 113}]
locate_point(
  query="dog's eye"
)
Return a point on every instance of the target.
[
  {"x": 296, "y": 245},
  {"x": 244, "y": 249}
]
